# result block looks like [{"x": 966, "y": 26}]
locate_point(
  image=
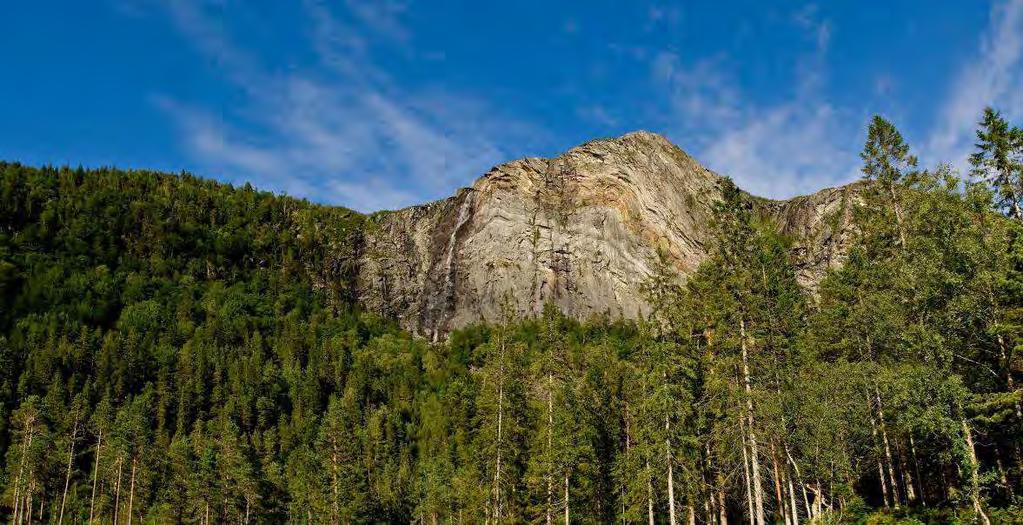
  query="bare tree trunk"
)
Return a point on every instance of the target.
[
  {"x": 710, "y": 506},
  {"x": 19, "y": 510},
  {"x": 16, "y": 504},
  {"x": 887, "y": 449},
  {"x": 671, "y": 476},
  {"x": 117, "y": 489},
  {"x": 500, "y": 417},
  {"x": 758, "y": 490},
  {"x": 649, "y": 494},
  {"x": 550, "y": 447},
  {"x": 907, "y": 478},
  {"x": 67, "y": 476},
  {"x": 818, "y": 500},
  {"x": 28, "y": 503},
  {"x": 1006, "y": 355},
  {"x": 778, "y": 497},
  {"x": 17, "y": 480},
  {"x": 880, "y": 466},
  {"x": 746, "y": 474},
  {"x": 974, "y": 473},
  {"x": 566, "y": 500},
  {"x": 916, "y": 468},
  {"x": 95, "y": 475},
  {"x": 898, "y": 216},
  {"x": 628, "y": 446},
  {"x": 131, "y": 492},
  {"x": 799, "y": 476},
  {"x": 793, "y": 507},
  {"x": 722, "y": 501},
  {"x": 335, "y": 517}
]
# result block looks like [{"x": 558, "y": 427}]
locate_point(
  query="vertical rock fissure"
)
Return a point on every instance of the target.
[{"x": 449, "y": 271}]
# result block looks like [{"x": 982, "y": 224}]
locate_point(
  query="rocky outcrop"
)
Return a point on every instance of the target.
[{"x": 582, "y": 231}]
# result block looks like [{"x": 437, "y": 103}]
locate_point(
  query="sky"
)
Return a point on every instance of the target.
[{"x": 381, "y": 104}]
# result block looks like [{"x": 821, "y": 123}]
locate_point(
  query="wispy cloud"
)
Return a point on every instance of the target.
[
  {"x": 776, "y": 150},
  {"x": 343, "y": 133},
  {"x": 993, "y": 77}
]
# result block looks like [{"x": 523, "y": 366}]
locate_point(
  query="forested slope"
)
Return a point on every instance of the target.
[{"x": 178, "y": 350}]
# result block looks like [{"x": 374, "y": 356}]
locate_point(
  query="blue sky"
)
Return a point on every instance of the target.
[{"x": 382, "y": 104}]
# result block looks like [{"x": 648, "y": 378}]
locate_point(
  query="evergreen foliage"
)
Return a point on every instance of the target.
[{"x": 178, "y": 350}]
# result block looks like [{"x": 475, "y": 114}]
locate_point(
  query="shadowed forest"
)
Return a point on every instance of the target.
[{"x": 178, "y": 350}]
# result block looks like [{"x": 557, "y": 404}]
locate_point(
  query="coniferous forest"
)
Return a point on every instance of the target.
[{"x": 178, "y": 350}]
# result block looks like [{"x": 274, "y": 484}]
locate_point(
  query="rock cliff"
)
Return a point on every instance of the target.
[{"x": 581, "y": 230}]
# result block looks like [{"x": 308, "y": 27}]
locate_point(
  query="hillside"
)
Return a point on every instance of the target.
[{"x": 614, "y": 335}]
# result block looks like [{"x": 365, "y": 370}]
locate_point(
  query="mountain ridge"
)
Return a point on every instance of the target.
[{"x": 581, "y": 230}]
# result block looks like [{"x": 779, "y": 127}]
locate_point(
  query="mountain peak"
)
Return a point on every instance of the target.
[{"x": 581, "y": 230}]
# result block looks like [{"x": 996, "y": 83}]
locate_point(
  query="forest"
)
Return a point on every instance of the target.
[{"x": 177, "y": 350}]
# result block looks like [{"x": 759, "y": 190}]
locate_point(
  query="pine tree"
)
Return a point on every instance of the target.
[
  {"x": 888, "y": 162},
  {"x": 998, "y": 161}
]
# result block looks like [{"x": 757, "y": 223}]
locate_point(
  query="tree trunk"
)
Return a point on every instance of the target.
[
  {"x": 777, "y": 487},
  {"x": 887, "y": 449},
  {"x": 722, "y": 501},
  {"x": 974, "y": 473},
  {"x": 95, "y": 475},
  {"x": 898, "y": 216},
  {"x": 1003, "y": 476},
  {"x": 649, "y": 494},
  {"x": 793, "y": 507},
  {"x": 28, "y": 503},
  {"x": 799, "y": 476},
  {"x": 500, "y": 417},
  {"x": 628, "y": 446},
  {"x": 916, "y": 468},
  {"x": 26, "y": 446},
  {"x": 758, "y": 491},
  {"x": 746, "y": 474},
  {"x": 710, "y": 506},
  {"x": 671, "y": 476},
  {"x": 67, "y": 475},
  {"x": 566, "y": 501},
  {"x": 550, "y": 447},
  {"x": 907, "y": 478},
  {"x": 117, "y": 490},
  {"x": 335, "y": 517},
  {"x": 880, "y": 466},
  {"x": 17, "y": 480},
  {"x": 131, "y": 492},
  {"x": 1006, "y": 355}
]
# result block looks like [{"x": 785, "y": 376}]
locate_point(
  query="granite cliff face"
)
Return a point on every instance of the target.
[{"x": 581, "y": 230}]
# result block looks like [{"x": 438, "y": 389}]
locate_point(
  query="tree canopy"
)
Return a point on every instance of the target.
[{"x": 178, "y": 350}]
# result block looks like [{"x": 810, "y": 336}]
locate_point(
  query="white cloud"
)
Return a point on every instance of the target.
[
  {"x": 773, "y": 149},
  {"x": 785, "y": 150},
  {"x": 343, "y": 133},
  {"x": 994, "y": 78}
]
